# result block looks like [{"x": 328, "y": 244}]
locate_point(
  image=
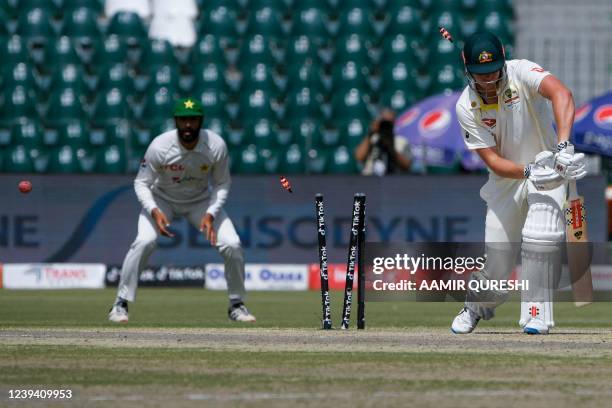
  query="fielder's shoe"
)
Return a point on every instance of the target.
[
  {"x": 465, "y": 322},
  {"x": 118, "y": 313},
  {"x": 239, "y": 313},
  {"x": 535, "y": 326}
]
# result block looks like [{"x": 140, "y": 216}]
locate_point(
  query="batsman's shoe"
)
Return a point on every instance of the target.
[
  {"x": 118, "y": 313},
  {"x": 239, "y": 313},
  {"x": 535, "y": 325},
  {"x": 465, "y": 322}
]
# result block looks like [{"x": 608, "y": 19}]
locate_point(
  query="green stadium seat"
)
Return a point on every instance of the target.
[
  {"x": 310, "y": 21},
  {"x": 17, "y": 160},
  {"x": 234, "y": 134},
  {"x": 497, "y": 23},
  {"x": 255, "y": 50},
  {"x": 304, "y": 103},
  {"x": 20, "y": 74},
  {"x": 213, "y": 103},
  {"x": 4, "y": 24},
  {"x": 352, "y": 132},
  {"x": 63, "y": 51},
  {"x": 341, "y": 161},
  {"x": 398, "y": 100},
  {"x": 260, "y": 133},
  {"x": 110, "y": 107},
  {"x": 305, "y": 76},
  {"x": 356, "y": 21},
  {"x": 399, "y": 76},
  {"x": 447, "y": 18},
  {"x": 256, "y": 105},
  {"x": 405, "y": 18},
  {"x": 113, "y": 50},
  {"x": 301, "y": 50},
  {"x": 348, "y": 75},
  {"x": 13, "y": 50},
  {"x": 27, "y": 133},
  {"x": 129, "y": 26},
  {"x": 111, "y": 160},
  {"x": 292, "y": 160},
  {"x": 114, "y": 75},
  {"x": 220, "y": 21},
  {"x": 446, "y": 79},
  {"x": 266, "y": 21},
  {"x": 64, "y": 160},
  {"x": 64, "y": 106},
  {"x": 209, "y": 76},
  {"x": 157, "y": 107},
  {"x": 502, "y": 6},
  {"x": 95, "y": 6},
  {"x": 164, "y": 76},
  {"x": 5, "y": 135},
  {"x": 27, "y": 5},
  {"x": 217, "y": 125},
  {"x": 350, "y": 104},
  {"x": 353, "y": 48},
  {"x": 443, "y": 53},
  {"x": 271, "y": 159},
  {"x": 35, "y": 24},
  {"x": 207, "y": 5},
  {"x": 70, "y": 76},
  {"x": 399, "y": 48},
  {"x": 277, "y": 5},
  {"x": 249, "y": 160},
  {"x": 259, "y": 76},
  {"x": 73, "y": 133},
  {"x": 81, "y": 23},
  {"x": 158, "y": 52},
  {"x": 207, "y": 49},
  {"x": 310, "y": 134},
  {"x": 18, "y": 103},
  {"x": 317, "y": 161}
]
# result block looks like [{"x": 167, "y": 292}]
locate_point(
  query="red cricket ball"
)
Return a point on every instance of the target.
[{"x": 25, "y": 186}]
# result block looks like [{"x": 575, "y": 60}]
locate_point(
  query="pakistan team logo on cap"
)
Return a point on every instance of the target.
[
  {"x": 485, "y": 56},
  {"x": 189, "y": 104}
]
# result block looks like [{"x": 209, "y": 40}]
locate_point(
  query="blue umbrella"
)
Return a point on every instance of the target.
[
  {"x": 434, "y": 133},
  {"x": 593, "y": 126}
]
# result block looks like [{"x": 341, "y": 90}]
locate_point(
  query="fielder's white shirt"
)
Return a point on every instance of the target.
[
  {"x": 520, "y": 124},
  {"x": 183, "y": 176}
]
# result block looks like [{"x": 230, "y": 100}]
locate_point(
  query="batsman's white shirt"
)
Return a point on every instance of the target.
[
  {"x": 182, "y": 176},
  {"x": 520, "y": 125}
]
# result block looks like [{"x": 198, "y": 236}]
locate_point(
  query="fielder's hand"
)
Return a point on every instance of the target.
[
  {"x": 162, "y": 222},
  {"x": 570, "y": 165},
  {"x": 206, "y": 226},
  {"x": 542, "y": 174}
]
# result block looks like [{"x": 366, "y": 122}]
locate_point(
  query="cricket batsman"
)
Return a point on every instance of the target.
[
  {"x": 506, "y": 114},
  {"x": 185, "y": 172}
]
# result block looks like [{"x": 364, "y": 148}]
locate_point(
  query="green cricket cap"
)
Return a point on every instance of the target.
[
  {"x": 483, "y": 53},
  {"x": 188, "y": 107}
]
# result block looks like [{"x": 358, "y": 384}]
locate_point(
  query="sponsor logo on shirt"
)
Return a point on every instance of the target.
[
  {"x": 511, "y": 98},
  {"x": 537, "y": 69},
  {"x": 489, "y": 122},
  {"x": 173, "y": 167}
]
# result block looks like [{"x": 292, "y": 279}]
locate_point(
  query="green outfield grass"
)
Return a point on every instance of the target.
[
  {"x": 285, "y": 360},
  {"x": 201, "y": 308}
]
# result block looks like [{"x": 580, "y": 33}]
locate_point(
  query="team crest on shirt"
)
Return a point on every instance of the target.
[{"x": 511, "y": 98}]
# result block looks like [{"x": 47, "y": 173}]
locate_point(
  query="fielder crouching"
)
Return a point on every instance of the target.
[
  {"x": 506, "y": 117},
  {"x": 185, "y": 173}
]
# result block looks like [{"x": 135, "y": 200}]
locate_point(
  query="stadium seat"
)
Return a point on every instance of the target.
[
  {"x": 208, "y": 49},
  {"x": 496, "y": 22},
  {"x": 255, "y": 50},
  {"x": 27, "y": 133},
  {"x": 443, "y": 53},
  {"x": 163, "y": 76},
  {"x": 259, "y": 76},
  {"x": 266, "y": 21},
  {"x": 73, "y": 133},
  {"x": 18, "y": 103},
  {"x": 351, "y": 132},
  {"x": 256, "y": 105},
  {"x": 301, "y": 50},
  {"x": 249, "y": 161},
  {"x": 341, "y": 161},
  {"x": 81, "y": 23},
  {"x": 111, "y": 160},
  {"x": 398, "y": 100},
  {"x": 13, "y": 50},
  {"x": 317, "y": 160},
  {"x": 4, "y": 24},
  {"x": 446, "y": 79},
  {"x": 213, "y": 103},
  {"x": 220, "y": 21},
  {"x": 157, "y": 107},
  {"x": 209, "y": 76},
  {"x": 399, "y": 76},
  {"x": 348, "y": 75},
  {"x": 64, "y": 160},
  {"x": 64, "y": 106},
  {"x": 35, "y": 24},
  {"x": 292, "y": 160},
  {"x": 110, "y": 107},
  {"x": 17, "y": 160},
  {"x": 113, "y": 50},
  {"x": 310, "y": 134},
  {"x": 260, "y": 133},
  {"x": 310, "y": 21},
  {"x": 405, "y": 18},
  {"x": 350, "y": 104},
  {"x": 277, "y": 5},
  {"x": 95, "y": 6},
  {"x": 63, "y": 51},
  {"x": 114, "y": 75},
  {"x": 304, "y": 103},
  {"x": 356, "y": 21},
  {"x": 449, "y": 19},
  {"x": 129, "y": 26},
  {"x": 20, "y": 74},
  {"x": 70, "y": 76},
  {"x": 158, "y": 52},
  {"x": 271, "y": 159},
  {"x": 399, "y": 48},
  {"x": 305, "y": 75},
  {"x": 353, "y": 48}
]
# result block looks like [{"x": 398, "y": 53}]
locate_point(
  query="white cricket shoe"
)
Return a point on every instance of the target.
[
  {"x": 465, "y": 322},
  {"x": 535, "y": 325},
  {"x": 239, "y": 313},
  {"x": 118, "y": 313}
]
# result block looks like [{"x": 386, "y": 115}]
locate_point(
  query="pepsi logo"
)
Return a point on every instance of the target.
[
  {"x": 582, "y": 112},
  {"x": 408, "y": 117},
  {"x": 436, "y": 120},
  {"x": 603, "y": 116}
]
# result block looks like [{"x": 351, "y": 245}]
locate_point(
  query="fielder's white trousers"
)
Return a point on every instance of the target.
[{"x": 228, "y": 245}]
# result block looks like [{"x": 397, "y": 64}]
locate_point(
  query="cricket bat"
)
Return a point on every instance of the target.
[{"x": 578, "y": 253}]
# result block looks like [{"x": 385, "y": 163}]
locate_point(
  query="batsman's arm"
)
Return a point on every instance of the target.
[
  {"x": 562, "y": 104},
  {"x": 499, "y": 165}
]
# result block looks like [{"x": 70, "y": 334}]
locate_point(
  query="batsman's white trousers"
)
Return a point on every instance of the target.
[{"x": 228, "y": 245}]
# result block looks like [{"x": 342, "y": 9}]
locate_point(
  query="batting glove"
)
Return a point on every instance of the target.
[
  {"x": 542, "y": 174},
  {"x": 570, "y": 165}
]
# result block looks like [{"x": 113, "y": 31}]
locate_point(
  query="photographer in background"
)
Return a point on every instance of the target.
[{"x": 381, "y": 151}]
